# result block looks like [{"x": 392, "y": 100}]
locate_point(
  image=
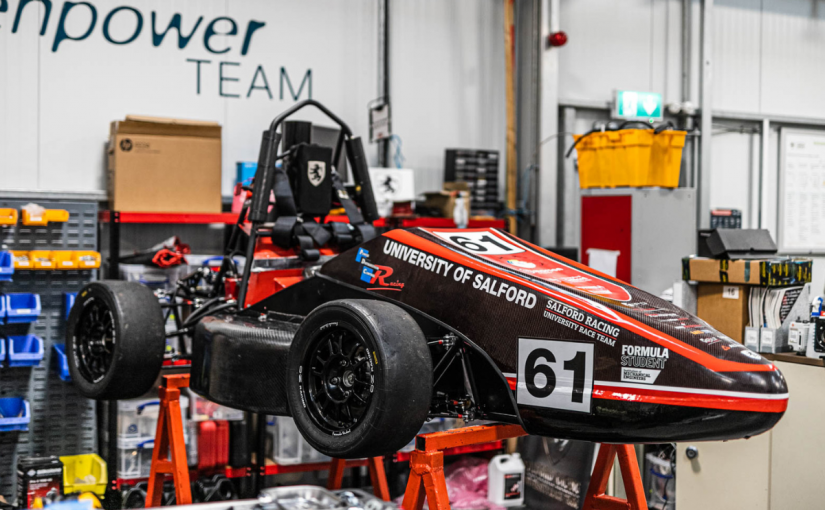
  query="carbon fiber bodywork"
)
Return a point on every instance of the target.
[
  {"x": 566, "y": 351},
  {"x": 658, "y": 373},
  {"x": 241, "y": 362}
]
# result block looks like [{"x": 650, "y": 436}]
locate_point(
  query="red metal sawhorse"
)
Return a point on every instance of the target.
[
  {"x": 169, "y": 438},
  {"x": 427, "y": 469}
]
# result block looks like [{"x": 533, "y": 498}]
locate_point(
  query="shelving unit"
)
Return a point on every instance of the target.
[{"x": 52, "y": 401}]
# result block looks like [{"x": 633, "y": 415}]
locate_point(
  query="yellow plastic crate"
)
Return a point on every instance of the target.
[
  {"x": 64, "y": 259},
  {"x": 21, "y": 259},
  {"x": 41, "y": 259},
  {"x": 666, "y": 159},
  {"x": 631, "y": 158},
  {"x": 8, "y": 216},
  {"x": 48, "y": 216},
  {"x": 84, "y": 473},
  {"x": 86, "y": 259}
]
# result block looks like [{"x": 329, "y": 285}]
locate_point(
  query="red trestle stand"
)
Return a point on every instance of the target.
[
  {"x": 596, "y": 499},
  {"x": 427, "y": 462},
  {"x": 427, "y": 469},
  {"x": 377, "y": 475},
  {"x": 169, "y": 438}
]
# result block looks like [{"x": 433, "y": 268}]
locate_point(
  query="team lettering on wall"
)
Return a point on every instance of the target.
[{"x": 221, "y": 26}]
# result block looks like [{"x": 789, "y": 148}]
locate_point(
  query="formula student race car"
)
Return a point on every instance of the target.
[{"x": 362, "y": 337}]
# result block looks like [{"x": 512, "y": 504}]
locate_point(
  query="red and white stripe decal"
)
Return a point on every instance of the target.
[
  {"x": 685, "y": 397},
  {"x": 688, "y": 351}
]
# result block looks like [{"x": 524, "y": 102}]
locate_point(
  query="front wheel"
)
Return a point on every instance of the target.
[
  {"x": 115, "y": 340},
  {"x": 360, "y": 378}
]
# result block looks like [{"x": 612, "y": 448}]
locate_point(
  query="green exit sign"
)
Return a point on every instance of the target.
[{"x": 634, "y": 105}]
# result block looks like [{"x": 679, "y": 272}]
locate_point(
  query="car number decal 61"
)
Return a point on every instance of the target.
[
  {"x": 555, "y": 374},
  {"x": 481, "y": 243}
]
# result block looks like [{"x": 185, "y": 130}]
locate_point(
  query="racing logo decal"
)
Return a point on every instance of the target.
[
  {"x": 555, "y": 374},
  {"x": 505, "y": 253},
  {"x": 643, "y": 364},
  {"x": 481, "y": 281},
  {"x": 375, "y": 274},
  {"x": 577, "y": 320},
  {"x": 316, "y": 171}
]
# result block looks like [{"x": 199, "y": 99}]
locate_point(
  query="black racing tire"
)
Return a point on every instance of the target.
[
  {"x": 380, "y": 342},
  {"x": 115, "y": 340}
]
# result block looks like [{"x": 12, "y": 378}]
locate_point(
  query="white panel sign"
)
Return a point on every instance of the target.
[
  {"x": 802, "y": 191},
  {"x": 555, "y": 374}
]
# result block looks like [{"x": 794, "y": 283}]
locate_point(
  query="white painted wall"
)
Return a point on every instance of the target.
[
  {"x": 447, "y": 82},
  {"x": 55, "y": 106}
]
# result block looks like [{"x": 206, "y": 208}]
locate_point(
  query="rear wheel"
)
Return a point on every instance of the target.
[
  {"x": 115, "y": 340},
  {"x": 360, "y": 378}
]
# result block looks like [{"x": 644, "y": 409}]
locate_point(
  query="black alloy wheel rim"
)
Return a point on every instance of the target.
[
  {"x": 337, "y": 379},
  {"x": 94, "y": 341}
]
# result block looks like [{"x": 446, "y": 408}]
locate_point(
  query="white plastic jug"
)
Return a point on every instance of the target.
[{"x": 505, "y": 480}]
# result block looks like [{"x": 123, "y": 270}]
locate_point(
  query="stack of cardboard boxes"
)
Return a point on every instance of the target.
[{"x": 724, "y": 289}]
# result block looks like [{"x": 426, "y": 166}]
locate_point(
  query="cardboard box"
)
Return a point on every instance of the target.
[
  {"x": 725, "y": 307},
  {"x": 164, "y": 165},
  {"x": 762, "y": 272},
  {"x": 445, "y": 200}
]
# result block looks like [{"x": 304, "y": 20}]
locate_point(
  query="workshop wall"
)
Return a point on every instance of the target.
[
  {"x": 767, "y": 58},
  {"x": 447, "y": 81},
  {"x": 67, "y": 70}
]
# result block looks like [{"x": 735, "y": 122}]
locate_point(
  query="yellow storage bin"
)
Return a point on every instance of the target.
[
  {"x": 86, "y": 259},
  {"x": 48, "y": 216},
  {"x": 41, "y": 259},
  {"x": 630, "y": 157},
  {"x": 71, "y": 259},
  {"x": 84, "y": 473},
  {"x": 8, "y": 216},
  {"x": 64, "y": 259},
  {"x": 21, "y": 259},
  {"x": 666, "y": 159}
]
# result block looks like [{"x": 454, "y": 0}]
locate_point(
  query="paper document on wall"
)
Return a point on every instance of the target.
[
  {"x": 603, "y": 260},
  {"x": 802, "y": 198}
]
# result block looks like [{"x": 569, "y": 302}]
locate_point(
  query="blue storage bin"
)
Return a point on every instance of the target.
[
  {"x": 15, "y": 414},
  {"x": 68, "y": 302},
  {"x": 61, "y": 362},
  {"x": 2, "y": 350},
  {"x": 245, "y": 171},
  {"x": 25, "y": 350},
  {"x": 22, "y": 307},
  {"x": 6, "y": 266}
]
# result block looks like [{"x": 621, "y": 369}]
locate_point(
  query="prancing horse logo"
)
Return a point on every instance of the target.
[{"x": 316, "y": 171}]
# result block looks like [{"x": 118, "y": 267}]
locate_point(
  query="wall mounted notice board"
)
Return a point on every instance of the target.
[{"x": 801, "y": 191}]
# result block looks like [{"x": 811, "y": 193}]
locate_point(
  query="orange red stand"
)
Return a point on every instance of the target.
[
  {"x": 427, "y": 469},
  {"x": 426, "y": 462},
  {"x": 377, "y": 475},
  {"x": 169, "y": 439},
  {"x": 169, "y": 455},
  {"x": 596, "y": 499}
]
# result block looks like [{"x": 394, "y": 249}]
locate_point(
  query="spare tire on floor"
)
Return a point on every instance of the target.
[
  {"x": 359, "y": 379},
  {"x": 115, "y": 340}
]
